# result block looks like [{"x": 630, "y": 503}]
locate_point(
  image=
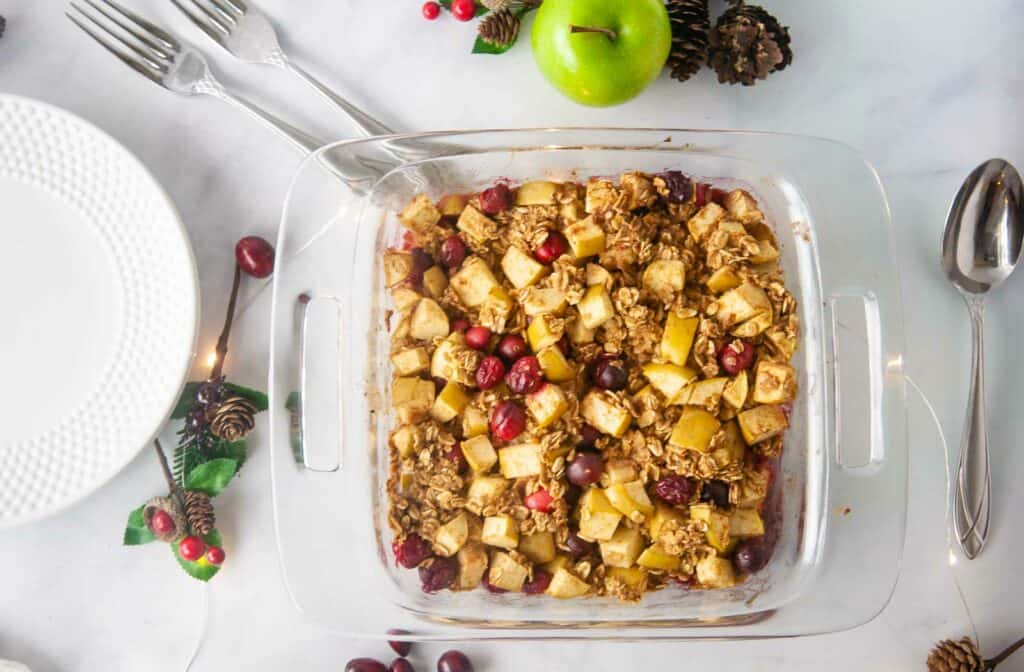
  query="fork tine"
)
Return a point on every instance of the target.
[
  {"x": 132, "y": 63},
  {"x": 223, "y": 11},
  {"x": 238, "y": 6},
  {"x": 217, "y": 34},
  {"x": 160, "y": 50},
  {"x": 157, "y": 32},
  {"x": 147, "y": 57}
]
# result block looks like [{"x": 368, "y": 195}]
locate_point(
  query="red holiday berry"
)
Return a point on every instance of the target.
[
  {"x": 161, "y": 523},
  {"x": 508, "y": 420},
  {"x": 431, "y": 10},
  {"x": 538, "y": 584},
  {"x": 255, "y": 256},
  {"x": 401, "y": 648},
  {"x": 411, "y": 551},
  {"x": 453, "y": 252},
  {"x": 215, "y": 556},
  {"x": 511, "y": 347},
  {"x": 490, "y": 372},
  {"x": 498, "y": 198},
  {"x": 525, "y": 376},
  {"x": 675, "y": 489},
  {"x": 478, "y": 338},
  {"x": 733, "y": 360},
  {"x": 463, "y": 10},
  {"x": 438, "y": 575},
  {"x": 554, "y": 246},
  {"x": 460, "y": 325},
  {"x": 191, "y": 548},
  {"x": 540, "y": 501}
]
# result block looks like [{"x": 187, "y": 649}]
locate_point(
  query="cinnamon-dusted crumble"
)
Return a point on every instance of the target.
[{"x": 645, "y": 415}]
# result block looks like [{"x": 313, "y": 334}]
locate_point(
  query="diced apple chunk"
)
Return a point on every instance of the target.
[
  {"x": 547, "y": 405},
  {"x": 407, "y": 439},
  {"x": 520, "y": 460},
  {"x": 655, "y": 557},
  {"x": 742, "y": 206},
  {"x": 505, "y": 573},
  {"x": 598, "y": 275},
  {"x": 623, "y": 548},
  {"x": 405, "y": 299},
  {"x": 665, "y": 277},
  {"x": 538, "y": 547},
  {"x": 598, "y": 518},
  {"x": 605, "y": 414},
  {"x": 479, "y": 453},
  {"x": 500, "y": 531},
  {"x": 452, "y": 536},
  {"x": 543, "y": 331},
  {"x": 596, "y": 307},
  {"x": 476, "y": 225},
  {"x": 452, "y": 400},
  {"x": 474, "y": 422},
  {"x": 723, "y": 280},
  {"x": 473, "y": 281},
  {"x": 420, "y": 214},
  {"x": 677, "y": 339},
  {"x": 754, "y": 326},
  {"x": 745, "y": 523},
  {"x": 586, "y": 238},
  {"x": 706, "y": 394},
  {"x": 762, "y": 423},
  {"x": 444, "y": 363},
  {"x": 704, "y": 222},
  {"x": 556, "y": 367},
  {"x": 566, "y": 585},
  {"x": 410, "y": 361},
  {"x": 578, "y": 332},
  {"x": 664, "y": 515},
  {"x": 774, "y": 383},
  {"x": 717, "y": 522},
  {"x": 694, "y": 429},
  {"x": 472, "y": 560},
  {"x": 429, "y": 321},
  {"x": 716, "y": 572},
  {"x": 412, "y": 398},
  {"x": 630, "y": 499},
  {"x": 736, "y": 390},
  {"x": 766, "y": 253},
  {"x": 740, "y": 304},
  {"x": 537, "y": 193},
  {"x": 521, "y": 269},
  {"x": 783, "y": 339},
  {"x": 452, "y": 205},
  {"x": 619, "y": 470},
  {"x": 397, "y": 266},
  {"x": 729, "y": 446},
  {"x": 485, "y": 490},
  {"x": 634, "y": 577},
  {"x": 435, "y": 281},
  {"x": 668, "y": 379},
  {"x": 547, "y": 300},
  {"x": 496, "y": 310}
]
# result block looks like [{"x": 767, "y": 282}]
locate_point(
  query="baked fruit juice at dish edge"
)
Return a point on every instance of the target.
[{"x": 601, "y": 52}]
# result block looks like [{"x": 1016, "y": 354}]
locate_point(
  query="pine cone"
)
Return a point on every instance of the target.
[
  {"x": 199, "y": 510},
  {"x": 171, "y": 507},
  {"x": 748, "y": 44},
  {"x": 233, "y": 418},
  {"x": 499, "y": 28},
  {"x": 690, "y": 27},
  {"x": 960, "y": 656}
]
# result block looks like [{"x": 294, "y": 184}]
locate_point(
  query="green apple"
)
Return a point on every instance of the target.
[{"x": 601, "y": 52}]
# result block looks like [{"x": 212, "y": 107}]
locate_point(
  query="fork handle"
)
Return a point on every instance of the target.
[
  {"x": 303, "y": 141},
  {"x": 366, "y": 123}
]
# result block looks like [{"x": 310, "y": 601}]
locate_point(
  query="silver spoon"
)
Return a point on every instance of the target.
[{"x": 980, "y": 248}]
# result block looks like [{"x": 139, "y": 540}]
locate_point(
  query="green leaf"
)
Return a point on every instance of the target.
[
  {"x": 211, "y": 477},
  {"x": 255, "y": 396},
  {"x": 136, "y": 533},
  {"x": 233, "y": 450},
  {"x": 199, "y": 569},
  {"x": 186, "y": 400},
  {"x": 483, "y": 47},
  {"x": 293, "y": 401}
]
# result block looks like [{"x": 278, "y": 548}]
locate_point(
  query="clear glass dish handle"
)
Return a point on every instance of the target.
[{"x": 318, "y": 446}]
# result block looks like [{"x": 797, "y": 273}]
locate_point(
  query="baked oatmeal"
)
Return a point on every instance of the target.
[{"x": 590, "y": 386}]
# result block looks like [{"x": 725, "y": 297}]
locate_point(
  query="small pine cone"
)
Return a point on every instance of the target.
[
  {"x": 499, "y": 28},
  {"x": 199, "y": 510},
  {"x": 960, "y": 656},
  {"x": 233, "y": 418},
  {"x": 690, "y": 27},
  {"x": 748, "y": 44},
  {"x": 171, "y": 507}
]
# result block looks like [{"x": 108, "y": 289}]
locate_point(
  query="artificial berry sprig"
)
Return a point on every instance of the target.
[
  {"x": 500, "y": 20},
  {"x": 211, "y": 446}
]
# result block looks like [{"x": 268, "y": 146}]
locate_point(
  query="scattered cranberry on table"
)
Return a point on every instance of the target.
[
  {"x": 525, "y": 376},
  {"x": 585, "y": 469},
  {"x": 498, "y": 198},
  {"x": 453, "y": 252},
  {"x": 716, "y": 492},
  {"x": 255, "y": 256},
  {"x": 539, "y": 501},
  {"x": 677, "y": 490},
  {"x": 401, "y": 665},
  {"x": 399, "y": 647},
  {"x": 215, "y": 556},
  {"x": 365, "y": 665},
  {"x": 511, "y": 347},
  {"x": 490, "y": 372},
  {"x": 478, "y": 338},
  {"x": 508, "y": 420},
  {"x": 734, "y": 361},
  {"x": 431, "y": 10},
  {"x": 161, "y": 523},
  {"x": 578, "y": 546},
  {"x": 554, "y": 246},
  {"x": 191, "y": 548},
  {"x": 610, "y": 374},
  {"x": 438, "y": 575},
  {"x": 454, "y": 661},
  {"x": 538, "y": 584},
  {"x": 411, "y": 551}
]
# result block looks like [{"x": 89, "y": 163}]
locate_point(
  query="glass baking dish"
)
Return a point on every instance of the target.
[{"x": 844, "y": 469}]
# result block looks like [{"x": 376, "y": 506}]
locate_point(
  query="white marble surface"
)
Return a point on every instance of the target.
[{"x": 925, "y": 89}]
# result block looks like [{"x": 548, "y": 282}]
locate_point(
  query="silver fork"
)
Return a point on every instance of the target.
[
  {"x": 248, "y": 34},
  {"x": 161, "y": 57}
]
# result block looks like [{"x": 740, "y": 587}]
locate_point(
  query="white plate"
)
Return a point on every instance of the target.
[{"x": 98, "y": 308}]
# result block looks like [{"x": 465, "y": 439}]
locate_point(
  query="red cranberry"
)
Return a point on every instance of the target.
[
  {"x": 408, "y": 241},
  {"x": 701, "y": 194},
  {"x": 255, "y": 256},
  {"x": 491, "y": 588},
  {"x": 438, "y": 575},
  {"x": 411, "y": 551},
  {"x": 675, "y": 489},
  {"x": 453, "y": 252},
  {"x": 525, "y": 376},
  {"x": 191, "y": 548},
  {"x": 421, "y": 261},
  {"x": 540, "y": 501},
  {"x": 431, "y": 10},
  {"x": 588, "y": 437},
  {"x": 511, "y": 347},
  {"x": 454, "y": 661},
  {"x": 678, "y": 185},
  {"x": 459, "y": 458},
  {"x": 752, "y": 554},
  {"x": 460, "y": 325},
  {"x": 401, "y": 665},
  {"x": 554, "y": 246},
  {"x": 508, "y": 420},
  {"x": 402, "y": 648},
  {"x": 365, "y": 665},
  {"x": 578, "y": 546},
  {"x": 585, "y": 469},
  {"x": 490, "y": 372},
  {"x": 478, "y": 338},
  {"x": 716, "y": 492},
  {"x": 538, "y": 584},
  {"x": 610, "y": 374},
  {"x": 161, "y": 523},
  {"x": 215, "y": 556},
  {"x": 718, "y": 195},
  {"x": 734, "y": 361},
  {"x": 497, "y": 198}
]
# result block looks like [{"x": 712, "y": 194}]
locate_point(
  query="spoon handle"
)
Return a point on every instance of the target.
[{"x": 974, "y": 475}]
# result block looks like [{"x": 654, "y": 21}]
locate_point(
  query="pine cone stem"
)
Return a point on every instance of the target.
[
  {"x": 222, "y": 342},
  {"x": 173, "y": 489},
  {"x": 991, "y": 663},
  {"x": 608, "y": 32}
]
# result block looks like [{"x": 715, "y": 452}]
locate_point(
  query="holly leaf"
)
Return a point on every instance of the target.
[
  {"x": 136, "y": 533},
  {"x": 232, "y": 450},
  {"x": 211, "y": 477},
  {"x": 255, "y": 396},
  {"x": 481, "y": 46},
  {"x": 199, "y": 569},
  {"x": 480, "y": 9},
  {"x": 186, "y": 400}
]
